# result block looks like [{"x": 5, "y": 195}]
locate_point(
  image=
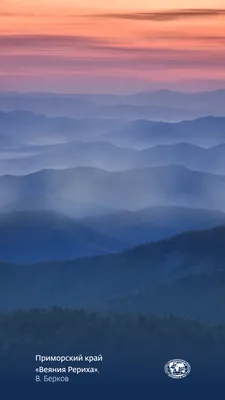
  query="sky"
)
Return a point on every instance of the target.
[{"x": 132, "y": 45}]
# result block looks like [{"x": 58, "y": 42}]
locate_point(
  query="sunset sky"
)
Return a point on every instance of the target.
[{"x": 131, "y": 45}]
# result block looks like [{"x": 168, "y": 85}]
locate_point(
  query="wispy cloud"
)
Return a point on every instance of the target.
[
  {"x": 142, "y": 44},
  {"x": 77, "y": 51},
  {"x": 93, "y": 45},
  {"x": 184, "y": 36},
  {"x": 165, "y": 15},
  {"x": 134, "y": 61},
  {"x": 156, "y": 15},
  {"x": 43, "y": 41}
]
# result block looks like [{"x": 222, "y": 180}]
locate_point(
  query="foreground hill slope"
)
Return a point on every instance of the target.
[{"x": 88, "y": 282}]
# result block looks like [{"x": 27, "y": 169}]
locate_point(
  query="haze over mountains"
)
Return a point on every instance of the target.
[
  {"x": 130, "y": 189},
  {"x": 39, "y": 236},
  {"x": 113, "y": 202},
  {"x": 159, "y": 105},
  {"x": 25, "y": 128},
  {"x": 18, "y": 128},
  {"x": 205, "y": 132},
  {"x": 154, "y": 223},
  {"x": 32, "y": 142},
  {"x": 112, "y": 158},
  {"x": 36, "y": 235}
]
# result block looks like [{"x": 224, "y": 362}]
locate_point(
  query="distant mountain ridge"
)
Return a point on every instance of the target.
[
  {"x": 47, "y": 202},
  {"x": 25, "y": 126},
  {"x": 130, "y": 189},
  {"x": 111, "y": 157},
  {"x": 32, "y": 234},
  {"x": 207, "y": 131},
  {"x": 154, "y": 223},
  {"x": 21, "y": 127},
  {"x": 152, "y": 104},
  {"x": 33, "y": 142}
]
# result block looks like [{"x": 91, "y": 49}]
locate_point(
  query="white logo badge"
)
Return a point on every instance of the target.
[{"x": 177, "y": 368}]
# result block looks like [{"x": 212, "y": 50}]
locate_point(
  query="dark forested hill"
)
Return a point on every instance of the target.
[
  {"x": 90, "y": 282},
  {"x": 200, "y": 297}
]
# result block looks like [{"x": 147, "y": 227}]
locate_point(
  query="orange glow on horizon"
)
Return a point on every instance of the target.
[{"x": 55, "y": 37}]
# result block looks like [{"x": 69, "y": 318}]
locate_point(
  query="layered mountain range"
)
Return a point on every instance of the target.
[{"x": 113, "y": 203}]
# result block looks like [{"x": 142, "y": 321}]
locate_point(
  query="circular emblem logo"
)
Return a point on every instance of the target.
[{"x": 177, "y": 368}]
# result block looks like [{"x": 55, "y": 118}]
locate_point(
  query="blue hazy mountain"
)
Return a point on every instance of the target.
[
  {"x": 84, "y": 177},
  {"x": 111, "y": 157},
  {"x": 207, "y": 100},
  {"x": 206, "y": 132},
  {"x": 72, "y": 154},
  {"x": 194, "y": 157},
  {"x": 40, "y": 235},
  {"x": 92, "y": 282},
  {"x": 130, "y": 189},
  {"x": 26, "y": 128},
  {"x": 152, "y": 112},
  {"x": 48, "y": 202},
  {"x": 154, "y": 223},
  {"x": 33, "y": 142},
  {"x": 159, "y": 105},
  {"x": 125, "y": 228}
]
